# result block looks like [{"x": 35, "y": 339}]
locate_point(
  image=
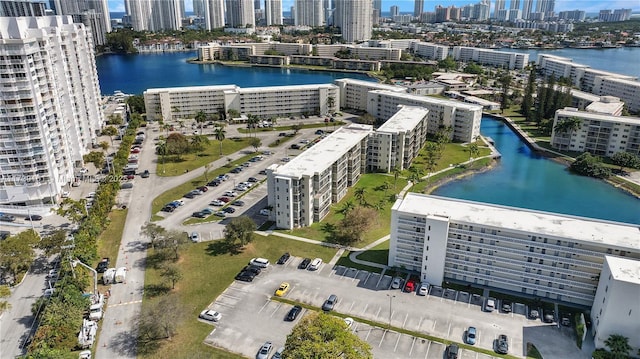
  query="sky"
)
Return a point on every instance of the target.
[{"x": 590, "y": 6}]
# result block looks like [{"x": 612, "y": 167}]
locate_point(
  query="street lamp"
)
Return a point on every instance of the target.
[{"x": 390, "y": 308}]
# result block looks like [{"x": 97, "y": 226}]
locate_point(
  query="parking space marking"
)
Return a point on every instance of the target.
[
  {"x": 378, "y": 313},
  {"x": 369, "y": 332},
  {"x": 412, "y": 344},
  {"x": 264, "y": 306},
  {"x": 382, "y": 339},
  {"x": 428, "y": 347},
  {"x": 365, "y": 308},
  {"x": 420, "y": 323},
  {"x": 276, "y": 309},
  {"x": 434, "y": 325},
  {"x": 405, "y": 320},
  {"x": 449, "y": 330},
  {"x": 351, "y": 307},
  {"x": 397, "y": 341},
  {"x": 365, "y": 281}
]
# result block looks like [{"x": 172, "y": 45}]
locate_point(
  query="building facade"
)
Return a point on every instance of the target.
[
  {"x": 532, "y": 253},
  {"x": 430, "y": 51},
  {"x": 50, "y": 110},
  {"x": 309, "y": 13},
  {"x": 213, "y": 14},
  {"x": 509, "y": 60},
  {"x": 264, "y": 102},
  {"x": 355, "y": 19},
  {"x": 354, "y": 93},
  {"x": 15, "y": 8},
  {"x": 598, "y": 134},
  {"x": 301, "y": 191},
  {"x": 398, "y": 141},
  {"x": 463, "y": 119},
  {"x": 273, "y": 12},
  {"x": 615, "y": 307},
  {"x": 240, "y": 13}
]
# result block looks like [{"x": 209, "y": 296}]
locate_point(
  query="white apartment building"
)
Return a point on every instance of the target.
[
  {"x": 309, "y": 13},
  {"x": 265, "y": 102},
  {"x": 301, "y": 191},
  {"x": 463, "y": 118},
  {"x": 273, "y": 12},
  {"x": 615, "y": 307},
  {"x": 545, "y": 255},
  {"x": 599, "y": 134},
  {"x": 354, "y": 93},
  {"x": 626, "y": 89},
  {"x": 430, "y": 51},
  {"x": 355, "y": 19},
  {"x": 213, "y": 14},
  {"x": 399, "y": 140},
  {"x": 509, "y": 60},
  {"x": 50, "y": 109},
  {"x": 558, "y": 67},
  {"x": 242, "y": 51}
]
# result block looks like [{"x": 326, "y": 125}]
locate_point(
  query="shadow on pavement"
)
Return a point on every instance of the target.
[{"x": 124, "y": 344}]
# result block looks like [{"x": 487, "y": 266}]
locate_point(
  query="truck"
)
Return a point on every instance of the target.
[
  {"x": 87, "y": 335},
  {"x": 95, "y": 309},
  {"x": 121, "y": 275},
  {"x": 109, "y": 276}
]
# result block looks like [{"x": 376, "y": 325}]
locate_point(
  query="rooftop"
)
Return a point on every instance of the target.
[
  {"x": 606, "y": 233},
  {"x": 191, "y": 89},
  {"x": 372, "y": 84},
  {"x": 430, "y": 100},
  {"x": 324, "y": 153},
  {"x": 623, "y": 269},
  {"x": 569, "y": 112},
  {"x": 406, "y": 119}
]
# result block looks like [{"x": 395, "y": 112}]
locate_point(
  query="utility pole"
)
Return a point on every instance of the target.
[{"x": 390, "y": 308}]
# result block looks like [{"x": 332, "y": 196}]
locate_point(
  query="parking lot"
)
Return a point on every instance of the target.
[{"x": 249, "y": 317}]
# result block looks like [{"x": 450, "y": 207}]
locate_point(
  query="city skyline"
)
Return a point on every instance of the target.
[{"x": 407, "y": 6}]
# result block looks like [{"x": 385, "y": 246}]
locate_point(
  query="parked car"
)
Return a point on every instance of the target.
[
  {"x": 452, "y": 351},
  {"x": 195, "y": 237},
  {"x": 348, "y": 321},
  {"x": 210, "y": 315},
  {"x": 284, "y": 258},
  {"x": 305, "y": 263},
  {"x": 221, "y": 214},
  {"x": 203, "y": 188},
  {"x": 229, "y": 210},
  {"x": 196, "y": 192},
  {"x": 506, "y": 306},
  {"x": 198, "y": 214},
  {"x": 264, "y": 351},
  {"x": 315, "y": 264},
  {"x": 396, "y": 283},
  {"x": 502, "y": 344},
  {"x": 278, "y": 353},
  {"x": 245, "y": 276},
  {"x": 103, "y": 265},
  {"x": 263, "y": 172},
  {"x": 252, "y": 179},
  {"x": 33, "y": 217},
  {"x": 145, "y": 174},
  {"x": 207, "y": 211},
  {"x": 168, "y": 209},
  {"x": 253, "y": 269},
  {"x": 410, "y": 286},
  {"x": 330, "y": 303},
  {"x": 214, "y": 183},
  {"x": 534, "y": 314},
  {"x": 224, "y": 199},
  {"x": 423, "y": 289},
  {"x": 237, "y": 203},
  {"x": 259, "y": 262},
  {"x": 189, "y": 195},
  {"x": 264, "y": 212},
  {"x": 230, "y": 194},
  {"x": 549, "y": 316},
  {"x": 217, "y": 202},
  {"x": 282, "y": 289},
  {"x": 470, "y": 336},
  {"x": 489, "y": 305},
  {"x": 293, "y": 313},
  {"x": 178, "y": 202}
]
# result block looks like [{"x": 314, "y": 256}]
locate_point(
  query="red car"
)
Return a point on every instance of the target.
[
  {"x": 224, "y": 199},
  {"x": 410, "y": 286},
  {"x": 203, "y": 188},
  {"x": 135, "y": 150}
]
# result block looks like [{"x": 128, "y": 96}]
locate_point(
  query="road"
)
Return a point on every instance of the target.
[{"x": 118, "y": 334}]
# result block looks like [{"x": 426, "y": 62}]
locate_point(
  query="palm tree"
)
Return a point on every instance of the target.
[
  {"x": 396, "y": 173},
  {"x": 161, "y": 149},
  {"x": 359, "y": 194},
  {"x": 346, "y": 207},
  {"x": 252, "y": 121},
  {"x": 219, "y": 134},
  {"x": 618, "y": 345},
  {"x": 200, "y": 118},
  {"x": 473, "y": 150},
  {"x": 568, "y": 125}
]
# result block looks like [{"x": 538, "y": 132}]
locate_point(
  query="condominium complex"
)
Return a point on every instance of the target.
[
  {"x": 464, "y": 119},
  {"x": 153, "y": 15},
  {"x": 240, "y": 13},
  {"x": 545, "y": 255},
  {"x": 615, "y": 307},
  {"x": 309, "y": 13},
  {"x": 301, "y": 191},
  {"x": 92, "y": 13},
  {"x": 430, "y": 51},
  {"x": 488, "y": 57},
  {"x": 14, "y": 8},
  {"x": 273, "y": 12},
  {"x": 355, "y": 19},
  {"x": 354, "y": 93},
  {"x": 50, "y": 110},
  {"x": 399, "y": 140},
  {"x": 265, "y": 102},
  {"x": 599, "y": 134},
  {"x": 213, "y": 11},
  {"x": 598, "y": 82}
]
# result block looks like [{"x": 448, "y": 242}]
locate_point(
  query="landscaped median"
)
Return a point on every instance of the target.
[{"x": 395, "y": 329}]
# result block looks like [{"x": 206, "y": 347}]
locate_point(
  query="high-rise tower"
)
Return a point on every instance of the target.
[
  {"x": 273, "y": 12},
  {"x": 154, "y": 15},
  {"x": 418, "y": 8},
  {"x": 309, "y": 12},
  {"x": 213, "y": 14},
  {"x": 354, "y": 18},
  {"x": 240, "y": 13}
]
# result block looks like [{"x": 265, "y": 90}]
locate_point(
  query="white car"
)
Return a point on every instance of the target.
[
  {"x": 195, "y": 237},
  {"x": 179, "y": 202},
  {"x": 217, "y": 202},
  {"x": 259, "y": 262},
  {"x": 246, "y": 184},
  {"x": 397, "y": 283},
  {"x": 315, "y": 264},
  {"x": 230, "y": 194},
  {"x": 423, "y": 289},
  {"x": 65, "y": 194},
  {"x": 49, "y": 292},
  {"x": 210, "y": 315},
  {"x": 264, "y": 212},
  {"x": 348, "y": 321},
  {"x": 240, "y": 188}
]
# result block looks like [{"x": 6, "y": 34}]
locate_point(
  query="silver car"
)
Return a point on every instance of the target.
[{"x": 264, "y": 351}]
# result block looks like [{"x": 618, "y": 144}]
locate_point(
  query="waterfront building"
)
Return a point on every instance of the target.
[
  {"x": 354, "y": 18},
  {"x": 240, "y": 14},
  {"x": 598, "y": 134},
  {"x": 50, "y": 112},
  {"x": 398, "y": 141},
  {"x": 301, "y": 191},
  {"x": 510, "y": 60},
  {"x": 264, "y": 102},
  {"x": 520, "y": 251},
  {"x": 273, "y": 12},
  {"x": 626, "y": 89},
  {"x": 354, "y": 93},
  {"x": 213, "y": 14},
  {"x": 309, "y": 13},
  {"x": 430, "y": 51},
  {"x": 15, "y": 8},
  {"x": 615, "y": 307},
  {"x": 616, "y": 15},
  {"x": 464, "y": 119}
]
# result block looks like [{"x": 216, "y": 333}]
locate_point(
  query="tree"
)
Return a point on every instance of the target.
[
  {"x": 159, "y": 321},
  {"x": 567, "y": 125},
  {"x": 396, "y": 174},
  {"x": 346, "y": 207},
  {"x": 95, "y": 157},
  {"x": 4, "y": 292},
  {"x": 527, "y": 100},
  {"x": 72, "y": 210},
  {"x": 447, "y": 64},
  {"x": 239, "y": 231},
  {"x": 17, "y": 254},
  {"x": 200, "y": 119},
  {"x": 252, "y": 121},
  {"x": 473, "y": 150},
  {"x": 154, "y": 232},
  {"x": 52, "y": 243},
  {"x": 177, "y": 144},
  {"x": 104, "y": 145},
  {"x": 625, "y": 159},
  {"x": 110, "y": 131},
  {"x": 172, "y": 241},
  {"x": 618, "y": 345},
  {"x": 255, "y": 142},
  {"x": 367, "y": 119},
  {"x": 172, "y": 274},
  {"x": 359, "y": 195},
  {"x": 161, "y": 150},
  {"x": 355, "y": 223},
  {"x": 322, "y": 336},
  {"x": 330, "y": 103},
  {"x": 219, "y": 134},
  {"x": 505, "y": 82},
  {"x": 115, "y": 119},
  {"x": 198, "y": 143},
  {"x": 588, "y": 165},
  {"x": 296, "y": 128}
]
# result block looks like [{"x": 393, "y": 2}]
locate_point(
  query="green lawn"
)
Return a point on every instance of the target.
[
  {"x": 427, "y": 185},
  {"x": 206, "y": 274},
  {"x": 179, "y": 191},
  {"x": 377, "y": 254},
  {"x": 346, "y": 261},
  {"x": 109, "y": 240},
  {"x": 327, "y": 125},
  {"x": 174, "y": 166},
  {"x": 373, "y": 195}
]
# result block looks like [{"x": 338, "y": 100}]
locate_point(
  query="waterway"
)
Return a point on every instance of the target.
[
  {"x": 525, "y": 179},
  {"x": 136, "y": 73}
]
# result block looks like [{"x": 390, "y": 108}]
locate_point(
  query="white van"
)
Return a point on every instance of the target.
[{"x": 259, "y": 262}]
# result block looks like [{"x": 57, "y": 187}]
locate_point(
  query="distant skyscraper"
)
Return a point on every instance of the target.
[
  {"x": 418, "y": 7},
  {"x": 499, "y": 10},
  {"x": 273, "y": 12},
  {"x": 93, "y": 13},
  {"x": 256, "y": 5},
  {"x": 514, "y": 4},
  {"x": 198, "y": 8},
  {"x": 213, "y": 14},
  {"x": 15, "y": 8},
  {"x": 51, "y": 106},
  {"x": 394, "y": 10},
  {"x": 155, "y": 15},
  {"x": 546, "y": 7},
  {"x": 442, "y": 14},
  {"x": 354, "y": 18},
  {"x": 240, "y": 13},
  {"x": 377, "y": 5},
  {"x": 526, "y": 9},
  {"x": 309, "y": 12}
]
